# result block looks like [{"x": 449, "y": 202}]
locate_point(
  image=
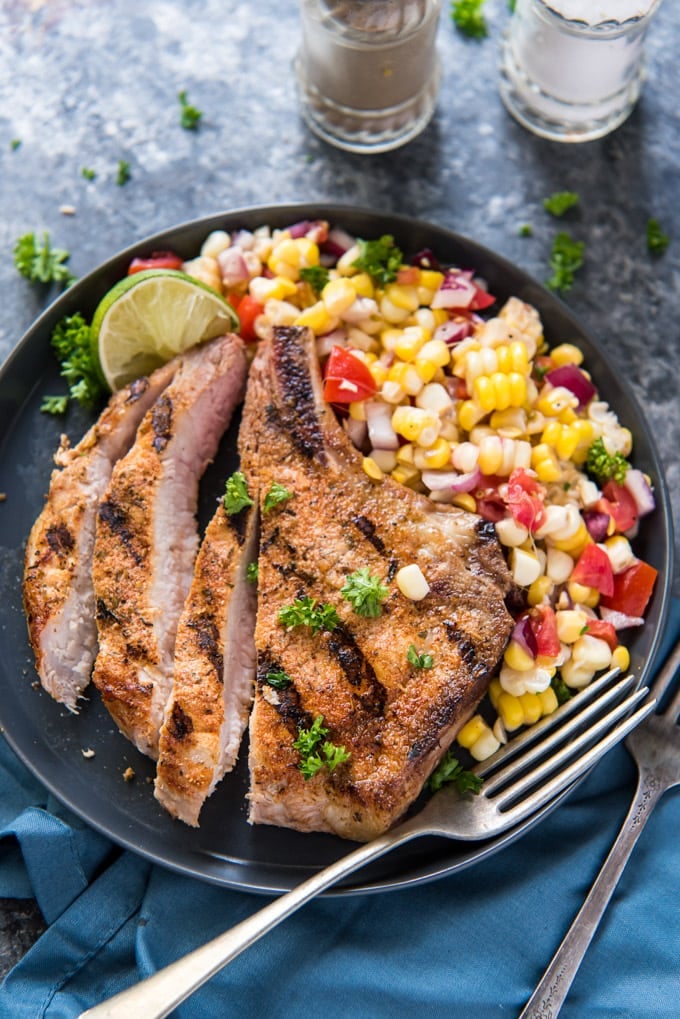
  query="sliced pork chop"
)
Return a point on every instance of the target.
[
  {"x": 395, "y": 720},
  {"x": 146, "y": 536},
  {"x": 212, "y": 688},
  {"x": 57, "y": 585}
]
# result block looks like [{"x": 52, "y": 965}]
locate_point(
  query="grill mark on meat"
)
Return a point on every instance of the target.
[
  {"x": 115, "y": 517},
  {"x": 286, "y": 700},
  {"x": 179, "y": 723},
  {"x": 367, "y": 528},
  {"x": 238, "y": 522},
  {"x": 297, "y": 393},
  {"x": 208, "y": 643},
  {"x": 467, "y": 649},
  {"x": 60, "y": 539},
  {"x": 356, "y": 667},
  {"x": 104, "y": 612},
  {"x": 161, "y": 423}
]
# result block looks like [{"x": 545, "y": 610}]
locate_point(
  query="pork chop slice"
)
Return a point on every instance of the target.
[
  {"x": 146, "y": 536},
  {"x": 393, "y": 719},
  {"x": 212, "y": 687},
  {"x": 57, "y": 584}
]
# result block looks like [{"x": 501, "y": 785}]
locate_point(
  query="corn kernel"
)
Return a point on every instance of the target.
[
  {"x": 588, "y": 596},
  {"x": 471, "y": 731},
  {"x": 435, "y": 457},
  {"x": 566, "y": 353},
  {"x": 338, "y": 295},
  {"x": 574, "y": 544},
  {"x": 431, "y": 279},
  {"x": 495, "y": 690},
  {"x": 510, "y": 423},
  {"x": 554, "y": 399},
  {"x": 379, "y": 372},
  {"x": 392, "y": 312},
  {"x": 416, "y": 425},
  {"x": 392, "y": 392},
  {"x": 517, "y": 658},
  {"x": 317, "y": 319},
  {"x": 371, "y": 468},
  {"x": 549, "y": 702},
  {"x": 592, "y": 652},
  {"x": 406, "y": 376},
  {"x": 407, "y": 475},
  {"x": 357, "y": 410},
  {"x": 576, "y": 676},
  {"x": 485, "y": 746},
  {"x": 363, "y": 285},
  {"x": 620, "y": 658},
  {"x": 570, "y": 623},
  {"x": 545, "y": 463},
  {"x": 469, "y": 413},
  {"x": 511, "y": 711},
  {"x": 215, "y": 243},
  {"x": 412, "y": 583},
  {"x": 386, "y": 459},
  {"x": 409, "y": 343},
  {"x": 277, "y": 288},
  {"x": 531, "y": 706},
  {"x": 558, "y": 565},
  {"x": 540, "y": 590},
  {"x": 524, "y": 566},
  {"x": 389, "y": 338},
  {"x": 465, "y": 501},
  {"x": 437, "y": 352},
  {"x": 510, "y": 533}
]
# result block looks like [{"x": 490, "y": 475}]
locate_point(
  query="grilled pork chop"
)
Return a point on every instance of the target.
[
  {"x": 212, "y": 686},
  {"x": 57, "y": 586},
  {"x": 146, "y": 536},
  {"x": 395, "y": 720}
]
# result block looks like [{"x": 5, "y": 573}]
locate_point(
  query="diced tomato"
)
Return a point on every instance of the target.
[
  {"x": 525, "y": 499},
  {"x": 632, "y": 590},
  {"x": 346, "y": 378},
  {"x": 159, "y": 260},
  {"x": 603, "y": 631},
  {"x": 247, "y": 309},
  {"x": 594, "y": 569},
  {"x": 490, "y": 507},
  {"x": 618, "y": 502},
  {"x": 482, "y": 299},
  {"x": 543, "y": 363},
  {"x": 408, "y": 275},
  {"x": 544, "y": 625}
]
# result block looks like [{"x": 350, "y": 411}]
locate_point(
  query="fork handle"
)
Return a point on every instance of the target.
[
  {"x": 548, "y": 998},
  {"x": 159, "y": 994}
]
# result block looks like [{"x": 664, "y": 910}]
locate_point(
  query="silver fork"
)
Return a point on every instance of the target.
[
  {"x": 655, "y": 747},
  {"x": 525, "y": 775}
]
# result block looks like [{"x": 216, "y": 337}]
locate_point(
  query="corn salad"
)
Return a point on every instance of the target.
[{"x": 476, "y": 411}]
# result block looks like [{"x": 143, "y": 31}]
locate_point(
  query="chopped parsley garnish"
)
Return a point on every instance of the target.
[
  {"x": 54, "y": 404},
  {"x": 15, "y": 144},
  {"x": 566, "y": 257},
  {"x": 560, "y": 202},
  {"x": 236, "y": 495},
  {"x": 277, "y": 494},
  {"x": 122, "y": 173},
  {"x": 562, "y": 691},
  {"x": 419, "y": 660},
  {"x": 39, "y": 262},
  {"x": 88, "y": 173},
  {"x": 307, "y": 612},
  {"x": 450, "y": 770},
  {"x": 657, "y": 240},
  {"x": 190, "y": 116},
  {"x": 603, "y": 466},
  {"x": 278, "y": 679},
  {"x": 307, "y": 744},
  {"x": 468, "y": 18},
  {"x": 316, "y": 276},
  {"x": 381, "y": 259},
  {"x": 526, "y": 230},
  {"x": 365, "y": 591},
  {"x": 252, "y": 572},
  {"x": 71, "y": 343}
]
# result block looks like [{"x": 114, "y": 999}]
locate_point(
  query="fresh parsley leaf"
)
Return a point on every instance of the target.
[
  {"x": 39, "y": 262},
  {"x": 309, "y": 766},
  {"x": 334, "y": 755},
  {"x": 418, "y": 660},
  {"x": 15, "y": 144},
  {"x": 468, "y": 18},
  {"x": 560, "y": 202},
  {"x": 252, "y": 572},
  {"x": 511, "y": 6},
  {"x": 365, "y": 591},
  {"x": 190, "y": 116},
  {"x": 381, "y": 259},
  {"x": 316, "y": 276},
  {"x": 566, "y": 257},
  {"x": 307, "y": 745},
  {"x": 657, "y": 240},
  {"x": 526, "y": 230},
  {"x": 54, "y": 405},
  {"x": 236, "y": 495},
  {"x": 278, "y": 679},
  {"x": 603, "y": 466},
  {"x": 71, "y": 343},
  {"x": 275, "y": 496},
  {"x": 306, "y": 612},
  {"x": 308, "y": 738},
  {"x": 88, "y": 173},
  {"x": 562, "y": 691},
  {"x": 122, "y": 173},
  {"x": 450, "y": 770}
]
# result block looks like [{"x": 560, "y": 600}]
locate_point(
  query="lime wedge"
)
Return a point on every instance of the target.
[{"x": 148, "y": 318}]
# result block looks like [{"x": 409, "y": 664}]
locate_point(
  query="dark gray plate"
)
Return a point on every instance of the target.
[{"x": 225, "y": 849}]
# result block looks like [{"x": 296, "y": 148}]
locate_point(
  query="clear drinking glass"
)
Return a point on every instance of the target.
[
  {"x": 367, "y": 71},
  {"x": 571, "y": 70}
]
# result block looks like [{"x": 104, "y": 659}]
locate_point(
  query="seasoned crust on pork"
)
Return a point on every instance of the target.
[
  {"x": 146, "y": 536},
  {"x": 395, "y": 721}
]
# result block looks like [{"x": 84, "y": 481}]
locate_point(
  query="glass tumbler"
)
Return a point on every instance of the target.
[
  {"x": 367, "y": 71},
  {"x": 571, "y": 70}
]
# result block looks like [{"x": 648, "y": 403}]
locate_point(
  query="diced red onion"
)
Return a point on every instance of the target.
[
  {"x": 637, "y": 485},
  {"x": 572, "y": 378},
  {"x": 491, "y": 507},
  {"x": 379, "y": 420},
  {"x": 438, "y": 481},
  {"x": 243, "y": 239},
  {"x": 233, "y": 268},
  {"x": 325, "y": 343},
  {"x": 524, "y": 635},
  {"x": 356, "y": 430},
  {"x": 337, "y": 242},
  {"x": 453, "y": 332},
  {"x": 619, "y": 620},
  {"x": 315, "y": 229},
  {"x": 456, "y": 291},
  {"x": 425, "y": 259},
  {"x": 597, "y": 524}
]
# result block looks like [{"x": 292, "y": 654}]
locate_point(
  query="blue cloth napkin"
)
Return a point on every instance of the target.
[{"x": 469, "y": 946}]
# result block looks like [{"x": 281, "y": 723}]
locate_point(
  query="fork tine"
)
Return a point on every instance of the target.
[
  {"x": 547, "y": 766},
  {"x": 565, "y": 777},
  {"x": 586, "y": 711}
]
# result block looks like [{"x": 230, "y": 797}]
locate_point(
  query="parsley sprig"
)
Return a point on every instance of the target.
[
  {"x": 560, "y": 202},
  {"x": 71, "y": 344},
  {"x": 307, "y": 611},
  {"x": 469, "y": 19},
  {"x": 566, "y": 258},
  {"x": 603, "y": 466},
  {"x": 278, "y": 679},
  {"x": 236, "y": 495},
  {"x": 39, "y": 262},
  {"x": 657, "y": 240},
  {"x": 450, "y": 770},
  {"x": 316, "y": 275},
  {"x": 365, "y": 591},
  {"x": 381, "y": 259},
  {"x": 189, "y": 116},
  {"x": 275, "y": 496},
  {"x": 419, "y": 660},
  {"x": 312, "y": 757}
]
